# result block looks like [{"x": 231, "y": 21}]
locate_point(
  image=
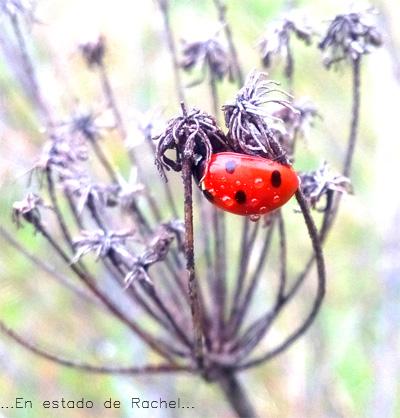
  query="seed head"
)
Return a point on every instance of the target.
[
  {"x": 248, "y": 120},
  {"x": 275, "y": 42},
  {"x": 27, "y": 209},
  {"x": 323, "y": 182},
  {"x": 349, "y": 37},
  {"x": 194, "y": 135},
  {"x": 93, "y": 51},
  {"x": 208, "y": 55}
]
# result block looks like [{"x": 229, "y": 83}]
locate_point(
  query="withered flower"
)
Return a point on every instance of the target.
[
  {"x": 249, "y": 121},
  {"x": 93, "y": 51},
  {"x": 85, "y": 191},
  {"x": 195, "y": 134},
  {"x": 101, "y": 243},
  {"x": 63, "y": 154},
  {"x": 91, "y": 125},
  {"x": 275, "y": 42},
  {"x": 208, "y": 55},
  {"x": 350, "y": 36},
  {"x": 128, "y": 190},
  {"x": 323, "y": 182},
  {"x": 301, "y": 120},
  {"x": 156, "y": 251},
  {"x": 28, "y": 210}
]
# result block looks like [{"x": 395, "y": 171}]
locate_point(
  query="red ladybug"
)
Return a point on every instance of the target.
[{"x": 246, "y": 184}]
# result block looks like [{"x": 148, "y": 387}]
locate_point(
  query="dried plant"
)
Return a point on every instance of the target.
[
  {"x": 201, "y": 322},
  {"x": 276, "y": 41}
]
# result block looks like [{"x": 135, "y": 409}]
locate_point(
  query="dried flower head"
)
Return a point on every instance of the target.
[
  {"x": 249, "y": 121},
  {"x": 276, "y": 40},
  {"x": 299, "y": 121},
  {"x": 86, "y": 192},
  {"x": 101, "y": 243},
  {"x": 194, "y": 135},
  {"x": 144, "y": 126},
  {"x": 27, "y": 209},
  {"x": 93, "y": 51},
  {"x": 208, "y": 55},
  {"x": 323, "y": 182},
  {"x": 128, "y": 190},
  {"x": 156, "y": 251},
  {"x": 350, "y": 36},
  {"x": 91, "y": 125}
]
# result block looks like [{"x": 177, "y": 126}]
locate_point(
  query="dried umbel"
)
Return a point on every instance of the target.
[
  {"x": 349, "y": 37},
  {"x": 199, "y": 320},
  {"x": 250, "y": 123}
]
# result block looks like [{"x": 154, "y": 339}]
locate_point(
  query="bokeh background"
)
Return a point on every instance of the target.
[{"x": 347, "y": 365}]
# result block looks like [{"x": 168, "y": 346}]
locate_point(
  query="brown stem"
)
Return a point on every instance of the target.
[
  {"x": 189, "y": 253},
  {"x": 236, "y": 396}
]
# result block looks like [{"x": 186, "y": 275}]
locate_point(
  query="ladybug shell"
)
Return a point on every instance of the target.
[{"x": 246, "y": 184}]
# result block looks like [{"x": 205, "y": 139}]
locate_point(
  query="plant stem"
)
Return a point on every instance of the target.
[
  {"x": 355, "y": 116},
  {"x": 88, "y": 367},
  {"x": 221, "y": 8},
  {"x": 321, "y": 282},
  {"x": 172, "y": 49},
  {"x": 193, "y": 287},
  {"x": 236, "y": 396}
]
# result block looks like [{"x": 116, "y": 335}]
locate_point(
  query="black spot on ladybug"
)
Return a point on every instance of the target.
[
  {"x": 276, "y": 179},
  {"x": 240, "y": 197},
  {"x": 230, "y": 166},
  {"x": 208, "y": 195}
]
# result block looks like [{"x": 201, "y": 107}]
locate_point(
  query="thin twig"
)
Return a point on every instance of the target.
[
  {"x": 330, "y": 215},
  {"x": 239, "y": 314},
  {"x": 30, "y": 71},
  {"x": 164, "y": 7},
  {"x": 47, "y": 268},
  {"x": 57, "y": 210},
  {"x": 155, "y": 344},
  {"x": 314, "y": 236},
  {"x": 221, "y": 8},
  {"x": 101, "y": 369},
  {"x": 219, "y": 222}
]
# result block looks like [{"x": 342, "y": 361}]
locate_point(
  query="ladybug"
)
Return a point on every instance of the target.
[{"x": 246, "y": 184}]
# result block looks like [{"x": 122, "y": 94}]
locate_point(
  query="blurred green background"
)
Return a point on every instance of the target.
[{"x": 348, "y": 363}]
